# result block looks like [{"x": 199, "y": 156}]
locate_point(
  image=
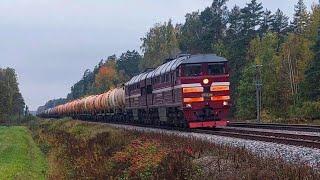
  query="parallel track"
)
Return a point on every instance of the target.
[
  {"x": 275, "y": 137},
  {"x": 288, "y": 127}
]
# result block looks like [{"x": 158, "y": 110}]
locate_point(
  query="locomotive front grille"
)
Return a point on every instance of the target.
[{"x": 206, "y": 114}]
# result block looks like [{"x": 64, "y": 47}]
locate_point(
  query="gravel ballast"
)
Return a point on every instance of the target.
[{"x": 292, "y": 154}]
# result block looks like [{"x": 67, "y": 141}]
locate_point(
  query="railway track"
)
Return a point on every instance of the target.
[
  {"x": 257, "y": 134},
  {"x": 303, "y": 140},
  {"x": 291, "y": 127}
]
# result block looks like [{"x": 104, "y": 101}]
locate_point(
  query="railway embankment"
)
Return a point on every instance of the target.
[{"x": 77, "y": 149}]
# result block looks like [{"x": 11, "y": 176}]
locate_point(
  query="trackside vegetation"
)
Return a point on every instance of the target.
[
  {"x": 20, "y": 157},
  {"x": 83, "y": 150}
]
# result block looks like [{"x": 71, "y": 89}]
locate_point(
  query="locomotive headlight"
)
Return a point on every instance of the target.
[
  {"x": 225, "y": 103},
  {"x": 205, "y": 81},
  {"x": 188, "y": 106}
]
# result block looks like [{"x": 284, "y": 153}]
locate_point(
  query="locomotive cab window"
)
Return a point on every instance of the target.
[
  {"x": 216, "y": 69},
  {"x": 192, "y": 70}
]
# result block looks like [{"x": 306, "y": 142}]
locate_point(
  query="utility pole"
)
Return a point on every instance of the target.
[{"x": 258, "y": 92}]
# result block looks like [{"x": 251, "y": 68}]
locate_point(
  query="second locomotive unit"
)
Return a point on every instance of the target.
[{"x": 191, "y": 90}]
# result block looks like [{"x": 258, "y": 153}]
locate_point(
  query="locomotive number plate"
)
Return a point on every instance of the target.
[{"x": 206, "y": 95}]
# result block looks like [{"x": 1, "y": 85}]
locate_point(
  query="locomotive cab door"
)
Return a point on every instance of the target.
[
  {"x": 149, "y": 90},
  {"x": 143, "y": 97}
]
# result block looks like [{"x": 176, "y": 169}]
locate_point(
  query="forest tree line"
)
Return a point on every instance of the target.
[
  {"x": 285, "y": 50},
  {"x": 11, "y": 101}
]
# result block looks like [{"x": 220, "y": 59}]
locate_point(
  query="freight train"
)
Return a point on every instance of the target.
[{"x": 189, "y": 91}]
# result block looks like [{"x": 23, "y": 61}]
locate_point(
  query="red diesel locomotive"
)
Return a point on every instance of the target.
[{"x": 189, "y": 91}]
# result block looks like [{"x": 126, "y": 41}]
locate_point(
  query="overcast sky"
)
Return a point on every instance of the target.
[{"x": 51, "y": 42}]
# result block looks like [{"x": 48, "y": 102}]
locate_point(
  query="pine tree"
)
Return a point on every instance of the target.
[
  {"x": 280, "y": 23},
  {"x": 82, "y": 87},
  {"x": 252, "y": 16},
  {"x": 235, "y": 23},
  {"x": 129, "y": 63},
  {"x": 266, "y": 22},
  {"x": 301, "y": 18},
  {"x": 203, "y": 30},
  {"x": 312, "y": 85},
  {"x": 235, "y": 43},
  {"x": 312, "y": 29},
  {"x": 190, "y": 34},
  {"x": 214, "y": 21}
]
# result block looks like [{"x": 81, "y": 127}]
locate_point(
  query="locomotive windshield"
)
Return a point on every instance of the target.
[
  {"x": 216, "y": 69},
  {"x": 192, "y": 70}
]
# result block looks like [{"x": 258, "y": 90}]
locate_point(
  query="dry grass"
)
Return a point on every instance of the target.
[{"x": 77, "y": 149}]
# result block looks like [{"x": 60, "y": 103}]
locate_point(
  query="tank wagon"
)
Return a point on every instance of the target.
[{"x": 189, "y": 91}]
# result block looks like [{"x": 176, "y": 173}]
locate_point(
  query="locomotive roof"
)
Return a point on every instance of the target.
[
  {"x": 204, "y": 58},
  {"x": 173, "y": 64}
]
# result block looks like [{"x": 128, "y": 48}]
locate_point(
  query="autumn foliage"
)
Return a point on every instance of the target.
[
  {"x": 139, "y": 158},
  {"x": 80, "y": 150},
  {"x": 107, "y": 76},
  {"x": 77, "y": 150}
]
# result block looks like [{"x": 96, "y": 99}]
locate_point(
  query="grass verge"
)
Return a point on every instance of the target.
[
  {"x": 20, "y": 158},
  {"x": 78, "y": 150}
]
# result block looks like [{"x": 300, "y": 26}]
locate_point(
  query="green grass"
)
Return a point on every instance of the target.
[{"x": 20, "y": 158}]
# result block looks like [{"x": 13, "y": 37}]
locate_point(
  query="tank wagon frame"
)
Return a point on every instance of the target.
[{"x": 189, "y": 91}]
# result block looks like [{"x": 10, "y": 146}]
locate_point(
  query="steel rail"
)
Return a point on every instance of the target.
[
  {"x": 274, "y": 134},
  {"x": 280, "y": 138},
  {"x": 288, "y": 127}
]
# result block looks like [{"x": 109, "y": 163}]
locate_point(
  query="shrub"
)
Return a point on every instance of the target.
[
  {"x": 308, "y": 110},
  {"x": 80, "y": 150},
  {"x": 311, "y": 110}
]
